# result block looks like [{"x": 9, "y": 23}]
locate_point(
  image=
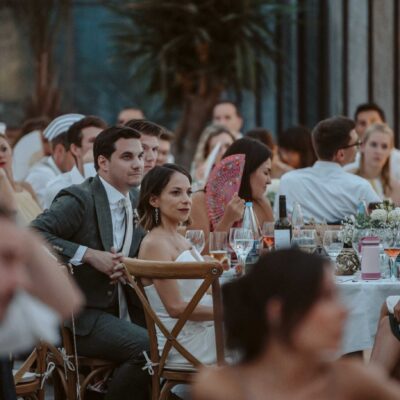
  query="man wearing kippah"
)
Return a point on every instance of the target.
[{"x": 61, "y": 159}]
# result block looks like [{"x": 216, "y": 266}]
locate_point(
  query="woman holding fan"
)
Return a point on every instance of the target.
[{"x": 242, "y": 175}]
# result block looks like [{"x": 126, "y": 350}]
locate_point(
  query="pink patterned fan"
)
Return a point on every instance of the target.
[{"x": 223, "y": 182}]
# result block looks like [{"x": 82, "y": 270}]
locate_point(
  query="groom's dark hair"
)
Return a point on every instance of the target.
[{"x": 104, "y": 144}]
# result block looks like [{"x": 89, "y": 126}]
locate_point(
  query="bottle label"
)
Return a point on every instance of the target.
[{"x": 282, "y": 239}]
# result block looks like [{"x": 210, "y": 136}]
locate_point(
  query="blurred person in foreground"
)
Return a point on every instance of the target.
[
  {"x": 285, "y": 320},
  {"x": 378, "y": 141},
  {"x": 325, "y": 191}
]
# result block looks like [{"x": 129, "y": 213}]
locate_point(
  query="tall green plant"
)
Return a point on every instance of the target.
[
  {"x": 193, "y": 50},
  {"x": 40, "y": 21}
]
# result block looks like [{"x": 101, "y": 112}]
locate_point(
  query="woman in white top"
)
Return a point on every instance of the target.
[
  {"x": 165, "y": 203},
  {"x": 377, "y": 145}
]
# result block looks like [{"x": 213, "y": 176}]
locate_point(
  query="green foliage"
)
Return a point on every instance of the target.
[{"x": 191, "y": 47}]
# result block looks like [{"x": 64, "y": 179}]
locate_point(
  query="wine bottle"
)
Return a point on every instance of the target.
[{"x": 283, "y": 227}]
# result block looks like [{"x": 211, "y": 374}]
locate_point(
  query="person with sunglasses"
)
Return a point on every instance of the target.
[{"x": 325, "y": 191}]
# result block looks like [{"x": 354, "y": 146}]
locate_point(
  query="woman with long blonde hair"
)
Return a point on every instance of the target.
[{"x": 378, "y": 142}]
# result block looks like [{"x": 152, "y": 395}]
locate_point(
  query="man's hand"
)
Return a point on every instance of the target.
[{"x": 103, "y": 261}]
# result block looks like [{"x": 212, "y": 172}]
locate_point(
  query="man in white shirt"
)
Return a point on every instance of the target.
[
  {"x": 80, "y": 137},
  {"x": 92, "y": 226},
  {"x": 61, "y": 159},
  {"x": 365, "y": 115},
  {"x": 325, "y": 191},
  {"x": 227, "y": 113}
]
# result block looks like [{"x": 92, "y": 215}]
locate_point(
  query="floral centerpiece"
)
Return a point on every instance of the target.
[{"x": 385, "y": 217}]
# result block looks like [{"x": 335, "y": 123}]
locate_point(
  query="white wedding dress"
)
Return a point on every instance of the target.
[{"x": 198, "y": 337}]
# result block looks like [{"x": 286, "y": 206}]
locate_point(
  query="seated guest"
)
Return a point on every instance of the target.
[
  {"x": 227, "y": 113},
  {"x": 374, "y": 166},
  {"x": 325, "y": 191},
  {"x": 386, "y": 350},
  {"x": 25, "y": 203},
  {"x": 164, "y": 150},
  {"x": 61, "y": 159},
  {"x": 278, "y": 167},
  {"x": 295, "y": 147},
  {"x": 165, "y": 203},
  {"x": 92, "y": 226},
  {"x": 129, "y": 113},
  {"x": 150, "y": 133},
  {"x": 214, "y": 135},
  {"x": 294, "y": 320},
  {"x": 256, "y": 177},
  {"x": 80, "y": 137}
]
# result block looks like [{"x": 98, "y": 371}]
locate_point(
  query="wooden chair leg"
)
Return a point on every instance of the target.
[
  {"x": 155, "y": 387},
  {"x": 166, "y": 389}
]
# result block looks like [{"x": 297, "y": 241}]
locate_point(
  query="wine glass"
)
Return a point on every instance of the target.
[
  {"x": 297, "y": 217},
  {"x": 268, "y": 235},
  {"x": 332, "y": 243},
  {"x": 218, "y": 246},
  {"x": 306, "y": 240},
  {"x": 391, "y": 247},
  {"x": 243, "y": 242},
  {"x": 196, "y": 238}
]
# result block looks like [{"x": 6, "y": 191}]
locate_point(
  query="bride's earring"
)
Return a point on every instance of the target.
[{"x": 156, "y": 215}]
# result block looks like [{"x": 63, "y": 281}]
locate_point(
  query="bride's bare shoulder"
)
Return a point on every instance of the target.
[
  {"x": 215, "y": 383},
  {"x": 154, "y": 247}
]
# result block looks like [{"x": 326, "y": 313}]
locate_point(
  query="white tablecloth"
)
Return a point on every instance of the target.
[{"x": 363, "y": 300}]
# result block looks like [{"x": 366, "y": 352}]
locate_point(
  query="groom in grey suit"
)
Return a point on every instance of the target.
[{"x": 92, "y": 226}]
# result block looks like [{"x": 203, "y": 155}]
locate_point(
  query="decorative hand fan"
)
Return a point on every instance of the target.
[{"x": 223, "y": 182}]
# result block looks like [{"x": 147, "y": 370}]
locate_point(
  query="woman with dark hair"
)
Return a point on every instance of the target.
[
  {"x": 255, "y": 178},
  {"x": 295, "y": 147},
  {"x": 285, "y": 320},
  {"x": 165, "y": 203}
]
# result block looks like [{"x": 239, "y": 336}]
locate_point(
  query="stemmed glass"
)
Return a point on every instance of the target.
[
  {"x": 297, "y": 217},
  {"x": 218, "y": 246},
  {"x": 268, "y": 235},
  {"x": 243, "y": 242},
  {"x": 306, "y": 239},
  {"x": 391, "y": 247},
  {"x": 196, "y": 238},
  {"x": 332, "y": 243}
]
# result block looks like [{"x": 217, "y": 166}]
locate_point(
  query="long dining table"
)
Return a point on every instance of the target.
[{"x": 363, "y": 299}]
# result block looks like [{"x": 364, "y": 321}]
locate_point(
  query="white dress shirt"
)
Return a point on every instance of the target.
[
  {"x": 394, "y": 164},
  {"x": 40, "y": 174},
  {"x": 116, "y": 201},
  {"x": 325, "y": 192},
  {"x": 73, "y": 177}
]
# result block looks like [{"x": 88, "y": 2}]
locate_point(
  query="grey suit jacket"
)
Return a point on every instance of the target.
[{"x": 80, "y": 215}]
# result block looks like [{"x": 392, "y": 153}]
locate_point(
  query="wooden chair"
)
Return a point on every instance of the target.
[
  {"x": 28, "y": 378},
  {"x": 67, "y": 371},
  {"x": 209, "y": 272}
]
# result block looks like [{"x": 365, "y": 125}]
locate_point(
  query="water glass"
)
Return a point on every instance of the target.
[
  {"x": 243, "y": 242},
  {"x": 332, "y": 243},
  {"x": 196, "y": 239},
  {"x": 306, "y": 240}
]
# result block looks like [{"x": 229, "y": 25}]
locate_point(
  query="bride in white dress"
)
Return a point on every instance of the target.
[{"x": 165, "y": 202}]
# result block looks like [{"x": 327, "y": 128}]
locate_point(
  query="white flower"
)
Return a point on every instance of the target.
[
  {"x": 379, "y": 215},
  {"x": 394, "y": 215}
]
